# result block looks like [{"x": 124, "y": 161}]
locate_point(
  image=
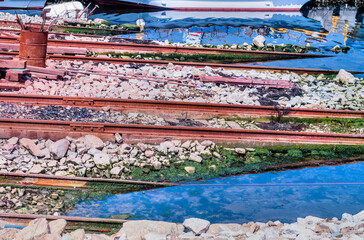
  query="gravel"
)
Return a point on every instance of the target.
[{"x": 314, "y": 92}]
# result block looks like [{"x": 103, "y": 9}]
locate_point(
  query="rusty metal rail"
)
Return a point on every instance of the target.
[
  {"x": 53, "y": 180},
  {"x": 134, "y": 47},
  {"x": 192, "y": 64},
  {"x": 67, "y": 218},
  {"x": 174, "y": 108},
  {"x": 151, "y": 133}
]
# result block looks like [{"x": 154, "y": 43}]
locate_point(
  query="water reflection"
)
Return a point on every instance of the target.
[{"x": 229, "y": 200}]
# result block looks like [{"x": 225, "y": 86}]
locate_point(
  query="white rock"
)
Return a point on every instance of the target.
[
  {"x": 137, "y": 230},
  {"x": 36, "y": 169},
  {"x": 57, "y": 226},
  {"x": 346, "y": 217},
  {"x": 196, "y": 158},
  {"x": 59, "y": 148},
  {"x": 115, "y": 171},
  {"x": 359, "y": 217},
  {"x": 101, "y": 160},
  {"x": 149, "y": 153},
  {"x": 93, "y": 142},
  {"x": 344, "y": 76},
  {"x": 196, "y": 225},
  {"x": 259, "y": 41},
  {"x": 190, "y": 170},
  {"x": 155, "y": 236}
]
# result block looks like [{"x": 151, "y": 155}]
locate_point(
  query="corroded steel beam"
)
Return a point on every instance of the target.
[
  {"x": 176, "y": 108},
  {"x": 60, "y": 129}
]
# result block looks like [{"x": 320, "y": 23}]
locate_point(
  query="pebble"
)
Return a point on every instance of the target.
[{"x": 312, "y": 93}]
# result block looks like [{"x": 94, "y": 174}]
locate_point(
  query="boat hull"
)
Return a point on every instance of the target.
[{"x": 210, "y": 5}]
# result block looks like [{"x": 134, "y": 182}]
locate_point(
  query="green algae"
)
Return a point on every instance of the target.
[
  {"x": 335, "y": 125},
  {"x": 213, "y": 58},
  {"x": 121, "y": 29},
  {"x": 261, "y": 159}
]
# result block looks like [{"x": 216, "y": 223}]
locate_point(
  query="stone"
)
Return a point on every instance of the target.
[
  {"x": 92, "y": 141},
  {"x": 270, "y": 233},
  {"x": 259, "y": 41},
  {"x": 196, "y": 225},
  {"x": 30, "y": 145},
  {"x": 36, "y": 169},
  {"x": 57, "y": 226},
  {"x": 36, "y": 229},
  {"x": 240, "y": 150},
  {"x": 101, "y": 160},
  {"x": 233, "y": 125},
  {"x": 186, "y": 144},
  {"x": 149, "y": 153},
  {"x": 196, "y": 158},
  {"x": 155, "y": 236},
  {"x": 190, "y": 170},
  {"x": 344, "y": 76},
  {"x": 359, "y": 217},
  {"x": 13, "y": 140},
  {"x": 8, "y": 233},
  {"x": 116, "y": 171},
  {"x": 320, "y": 228},
  {"x": 157, "y": 165},
  {"x": 51, "y": 237},
  {"x": 346, "y": 217},
  {"x": 59, "y": 148},
  {"x": 118, "y": 138},
  {"x": 215, "y": 229},
  {"x": 137, "y": 230},
  {"x": 207, "y": 143},
  {"x": 78, "y": 234}
]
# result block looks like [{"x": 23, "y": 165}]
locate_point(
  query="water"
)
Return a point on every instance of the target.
[
  {"x": 320, "y": 27},
  {"x": 226, "y": 200}
]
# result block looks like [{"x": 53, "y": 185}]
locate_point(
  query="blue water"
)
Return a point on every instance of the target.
[
  {"x": 231, "y": 202},
  {"x": 320, "y": 31}
]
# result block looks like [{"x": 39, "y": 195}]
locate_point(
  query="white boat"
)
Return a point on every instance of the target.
[
  {"x": 66, "y": 9},
  {"x": 210, "y": 5}
]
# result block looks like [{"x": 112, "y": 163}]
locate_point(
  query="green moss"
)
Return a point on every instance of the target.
[
  {"x": 213, "y": 58},
  {"x": 231, "y": 163}
]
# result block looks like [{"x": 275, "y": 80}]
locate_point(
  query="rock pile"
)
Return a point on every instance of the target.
[
  {"x": 349, "y": 227},
  {"x": 90, "y": 156},
  {"x": 34, "y": 201},
  {"x": 41, "y": 229},
  {"x": 315, "y": 92},
  {"x": 60, "y": 113}
]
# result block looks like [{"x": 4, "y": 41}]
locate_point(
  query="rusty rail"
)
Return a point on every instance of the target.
[
  {"x": 136, "y": 47},
  {"x": 176, "y": 108},
  {"x": 67, "y": 218},
  {"x": 151, "y": 133},
  {"x": 82, "y": 180},
  {"x": 192, "y": 64}
]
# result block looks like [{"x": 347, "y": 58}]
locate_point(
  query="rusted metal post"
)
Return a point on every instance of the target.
[{"x": 33, "y": 46}]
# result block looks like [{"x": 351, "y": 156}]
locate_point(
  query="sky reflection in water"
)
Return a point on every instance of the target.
[{"x": 231, "y": 202}]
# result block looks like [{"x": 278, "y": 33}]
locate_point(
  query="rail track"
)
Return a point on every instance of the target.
[
  {"x": 191, "y": 64},
  {"x": 23, "y": 179},
  {"x": 137, "y": 47},
  {"x": 133, "y": 133},
  {"x": 177, "y": 109},
  {"x": 90, "y": 225}
]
